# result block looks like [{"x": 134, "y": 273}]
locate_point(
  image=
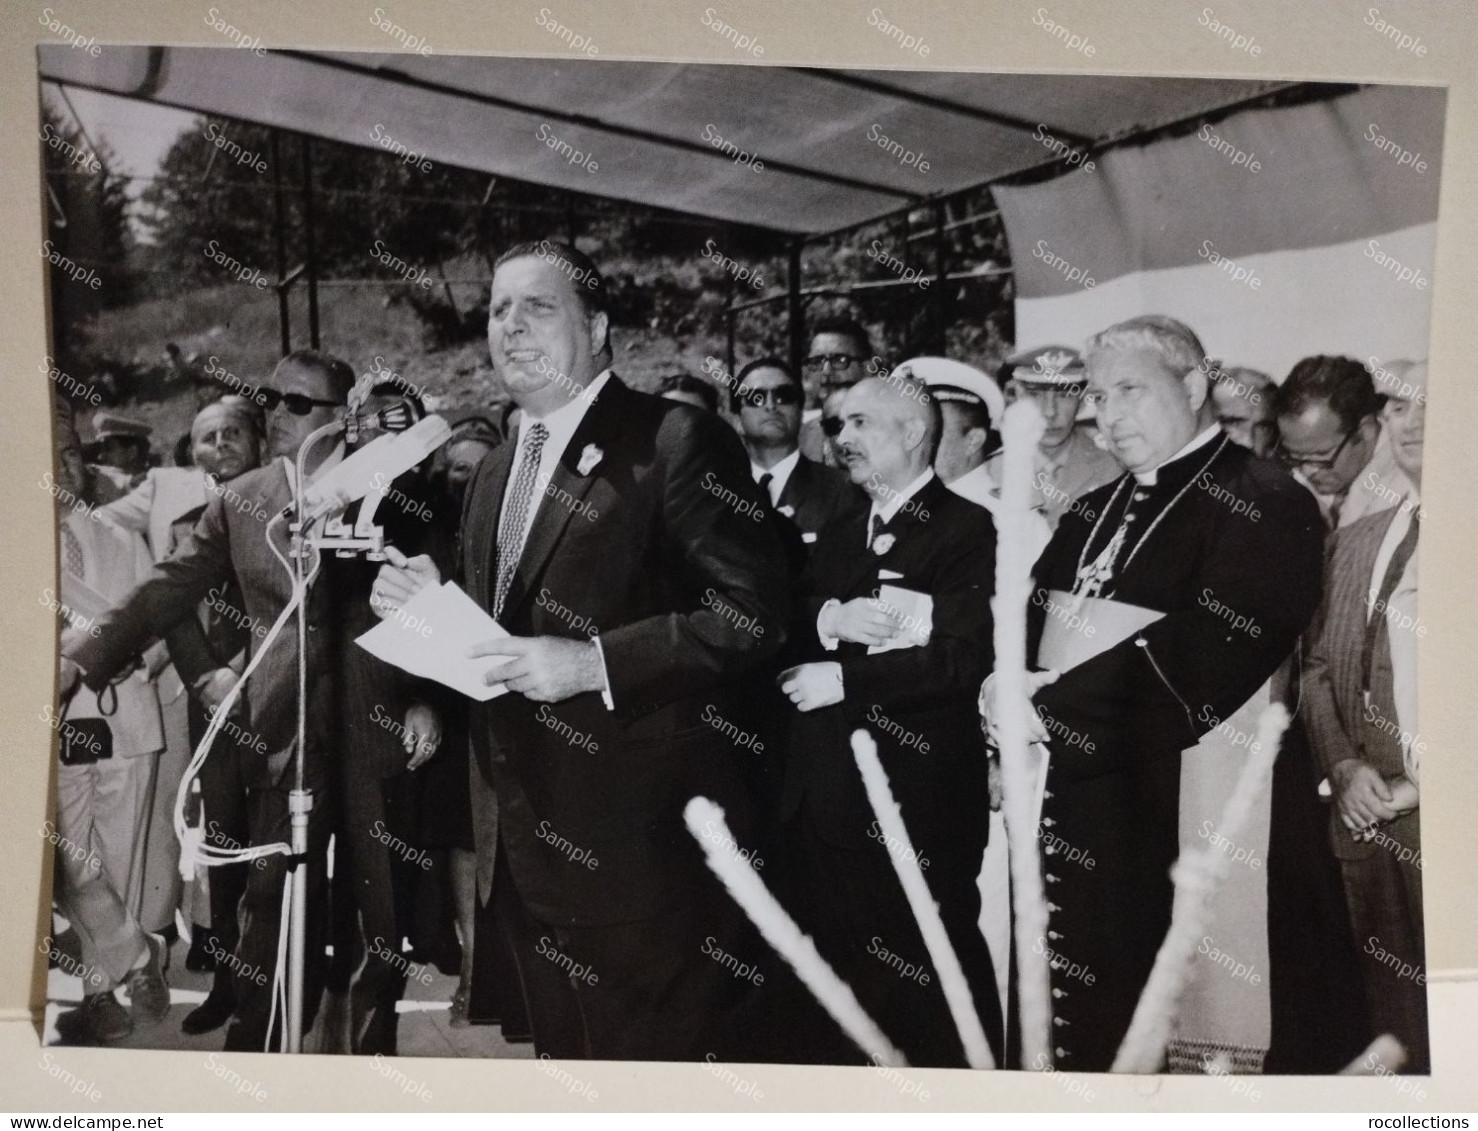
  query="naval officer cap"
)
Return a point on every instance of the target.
[
  {"x": 1047, "y": 367},
  {"x": 955, "y": 381}
]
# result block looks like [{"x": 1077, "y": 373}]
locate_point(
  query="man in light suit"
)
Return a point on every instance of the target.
[
  {"x": 306, "y": 391},
  {"x": 1360, "y": 705},
  {"x": 870, "y": 663},
  {"x": 620, "y": 539}
]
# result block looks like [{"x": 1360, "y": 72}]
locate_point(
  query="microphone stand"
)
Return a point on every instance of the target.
[{"x": 306, "y": 542}]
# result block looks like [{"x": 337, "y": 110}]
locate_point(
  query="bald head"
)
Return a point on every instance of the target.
[
  {"x": 890, "y": 430},
  {"x": 225, "y": 437}
]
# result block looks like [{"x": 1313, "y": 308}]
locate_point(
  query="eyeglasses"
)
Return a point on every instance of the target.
[
  {"x": 1313, "y": 463},
  {"x": 299, "y": 404},
  {"x": 839, "y": 362},
  {"x": 831, "y": 426},
  {"x": 781, "y": 396}
]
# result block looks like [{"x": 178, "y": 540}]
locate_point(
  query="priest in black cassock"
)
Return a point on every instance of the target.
[{"x": 1164, "y": 612}]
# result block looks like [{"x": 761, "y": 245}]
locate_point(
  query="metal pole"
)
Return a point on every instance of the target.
[
  {"x": 729, "y": 308},
  {"x": 940, "y": 242},
  {"x": 299, "y": 801},
  {"x": 279, "y": 224},
  {"x": 310, "y": 246},
  {"x": 794, "y": 319}
]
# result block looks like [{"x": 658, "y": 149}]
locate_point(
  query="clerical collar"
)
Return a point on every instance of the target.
[
  {"x": 896, "y": 499},
  {"x": 1152, "y": 476}
]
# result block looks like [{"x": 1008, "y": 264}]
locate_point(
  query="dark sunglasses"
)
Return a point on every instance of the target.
[
  {"x": 839, "y": 362},
  {"x": 783, "y": 396},
  {"x": 831, "y": 426},
  {"x": 299, "y": 404}
]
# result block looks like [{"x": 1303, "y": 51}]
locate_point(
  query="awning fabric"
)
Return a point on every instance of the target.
[
  {"x": 658, "y": 133},
  {"x": 1341, "y": 189}
]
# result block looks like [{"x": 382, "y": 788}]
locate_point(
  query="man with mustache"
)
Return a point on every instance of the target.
[
  {"x": 894, "y": 631},
  {"x": 1152, "y": 621}
]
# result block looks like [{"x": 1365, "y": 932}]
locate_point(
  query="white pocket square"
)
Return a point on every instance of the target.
[{"x": 889, "y": 575}]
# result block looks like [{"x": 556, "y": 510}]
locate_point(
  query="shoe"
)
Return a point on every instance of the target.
[
  {"x": 148, "y": 993},
  {"x": 202, "y": 956},
  {"x": 105, "y": 1020},
  {"x": 458, "y": 1017},
  {"x": 212, "y": 1013}
]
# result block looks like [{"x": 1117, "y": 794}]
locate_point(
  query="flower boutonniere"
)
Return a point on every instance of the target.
[
  {"x": 591, "y": 456},
  {"x": 882, "y": 544}
]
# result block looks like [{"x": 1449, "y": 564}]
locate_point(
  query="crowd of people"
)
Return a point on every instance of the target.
[{"x": 709, "y": 603}]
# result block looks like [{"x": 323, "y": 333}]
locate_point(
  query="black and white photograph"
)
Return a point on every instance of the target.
[{"x": 565, "y": 558}]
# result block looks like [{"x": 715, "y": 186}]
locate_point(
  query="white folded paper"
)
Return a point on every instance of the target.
[
  {"x": 916, "y": 612},
  {"x": 430, "y": 636}
]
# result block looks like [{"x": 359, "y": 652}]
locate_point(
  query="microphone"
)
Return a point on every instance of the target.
[
  {"x": 398, "y": 416},
  {"x": 373, "y": 466}
]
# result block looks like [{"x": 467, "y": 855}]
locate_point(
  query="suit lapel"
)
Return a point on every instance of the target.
[{"x": 566, "y": 488}]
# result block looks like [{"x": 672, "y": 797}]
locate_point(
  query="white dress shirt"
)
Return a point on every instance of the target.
[
  {"x": 562, "y": 424},
  {"x": 779, "y": 474},
  {"x": 886, "y": 511}
]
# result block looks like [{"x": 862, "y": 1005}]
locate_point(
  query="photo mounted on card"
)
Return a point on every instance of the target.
[{"x": 574, "y": 559}]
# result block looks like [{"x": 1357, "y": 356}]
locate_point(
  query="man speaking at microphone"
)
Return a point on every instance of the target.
[
  {"x": 307, "y": 391},
  {"x": 621, "y": 540}
]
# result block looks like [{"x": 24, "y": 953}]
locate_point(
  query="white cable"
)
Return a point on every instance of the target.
[
  {"x": 211, "y": 855},
  {"x": 279, "y": 980}
]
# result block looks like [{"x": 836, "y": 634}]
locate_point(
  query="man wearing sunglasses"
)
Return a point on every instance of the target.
[
  {"x": 767, "y": 399},
  {"x": 1330, "y": 437},
  {"x": 307, "y": 390}
]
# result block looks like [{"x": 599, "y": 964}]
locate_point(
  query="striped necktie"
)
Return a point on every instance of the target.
[{"x": 513, "y": 528}]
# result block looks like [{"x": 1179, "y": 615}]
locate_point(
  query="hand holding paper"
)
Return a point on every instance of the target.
[{"x": 433, "y": 634}]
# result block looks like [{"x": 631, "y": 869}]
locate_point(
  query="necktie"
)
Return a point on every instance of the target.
[
  {"x": 765, "y": 480},
  {"x": 877, "y": 529},
  {"x": 72, "y": 559},
  {"x": 515, "y": 516},
  {"x": 1397, "y": 566}
]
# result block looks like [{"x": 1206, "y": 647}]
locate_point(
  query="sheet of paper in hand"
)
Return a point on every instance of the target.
[
  {"x": 916, "y": 612},
  {"x": 430, "y": 636}
]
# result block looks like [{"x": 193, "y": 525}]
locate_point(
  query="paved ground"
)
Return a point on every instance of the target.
[{"x": 424, "y": 1014}]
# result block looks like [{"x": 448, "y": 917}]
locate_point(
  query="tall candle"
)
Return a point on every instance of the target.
[
  {"x": 780, "y": 931},
  {"x": 1021, "y": 430},
  {"x": 925, "y": 910}
]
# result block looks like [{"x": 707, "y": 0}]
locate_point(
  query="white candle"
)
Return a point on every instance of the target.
[
  {"x": 1197, "y": 874},
  {"x": 781, "y": 932},
  {"x": 925, "y": 910},
  {"x": 1021, "y": 431}
]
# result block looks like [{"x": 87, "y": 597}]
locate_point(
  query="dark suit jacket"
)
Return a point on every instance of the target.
[
  {"x": 655, "y": 550},
  {"x": 908, "y": 697},
  {"x": 818, "y": 496},
  {"x": 230, "y": 541},
  {"x": 1334, "y": 711}
]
